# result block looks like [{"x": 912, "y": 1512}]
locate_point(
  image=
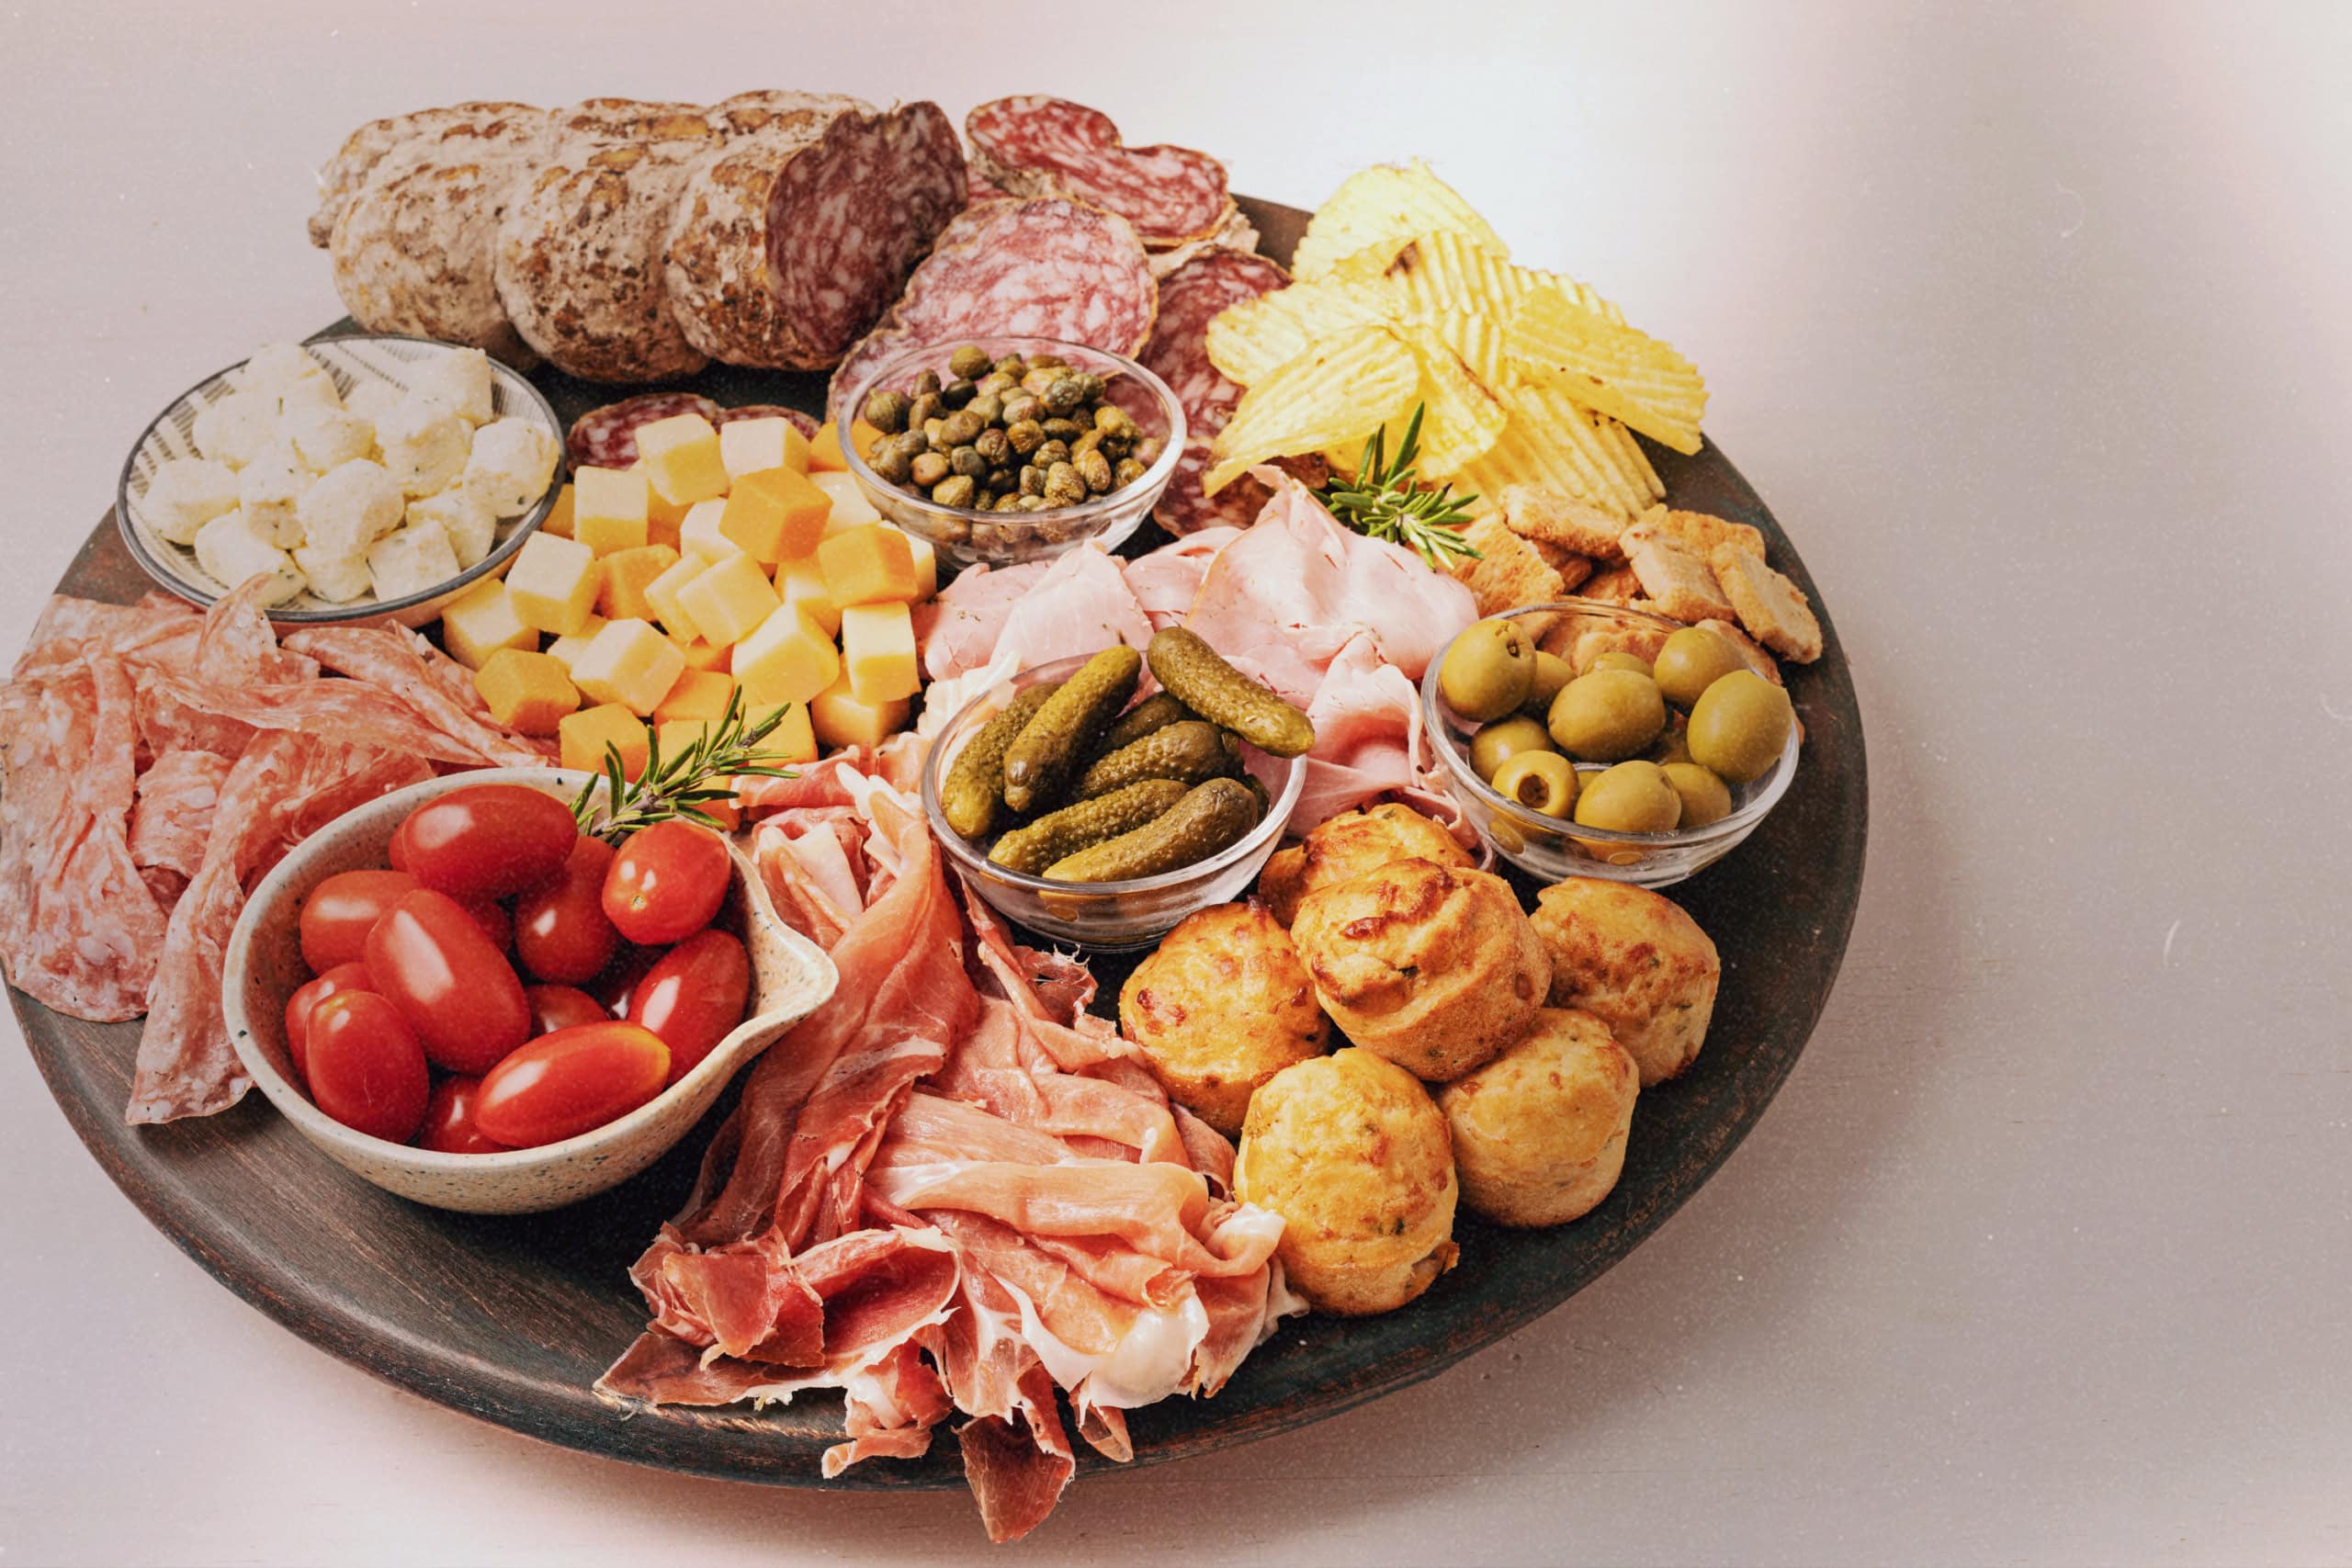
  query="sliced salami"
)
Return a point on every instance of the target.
[
  {"x": 1190, "y": 299},
  {"x": 607, "y": 437},
  {"x": 1236, "y": 234},
  {"x": 805, "y": 423},
  {"x": 1037, "y": 267},
  {"x": 1183, "y": 509},
  {"x": 1035, "y": 145}
]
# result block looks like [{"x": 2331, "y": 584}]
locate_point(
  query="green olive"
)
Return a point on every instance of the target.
[
  {"x": 1739, "y": 726},
  {"x": 1541, "y": 781},
  {"x": 1618, "y": 659},
  {"x": 1705, "y": 797},
  {"x": 1673, "y": 742},
  {"x": 1488, "y": 670},
  {"x": 1498, "y": 743},
  {"x": 1607, "y": 715},
  {"x": 1552, "y": 672},
  {"x": 1632, "y": 797},
  {"x": 1693, "y": 660}
]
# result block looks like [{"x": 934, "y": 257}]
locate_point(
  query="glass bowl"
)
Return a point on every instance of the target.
[
  {"x": 1550, "y": 848},
  {"x": 966, "y": 535},
  {"x": 1110, "y": 917}
]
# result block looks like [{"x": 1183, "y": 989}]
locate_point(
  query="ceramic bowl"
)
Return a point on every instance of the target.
[{"x": 791, "y": 977}]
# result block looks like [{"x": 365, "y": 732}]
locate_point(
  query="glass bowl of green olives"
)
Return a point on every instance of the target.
[
  {"x": 1001, "y": 450},
  {"x": 1106, "y": 916},
  {"x": 1585, "y": 739}
]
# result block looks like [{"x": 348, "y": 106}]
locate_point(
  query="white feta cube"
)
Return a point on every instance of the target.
[
  {"x": 270, "y": 488},
  {"x": 371, "y": 401},
  {"x": 233, "y": 549},
  {"x": 309, "y": 392},
  {"x": 411, "y": 560},
  {"x": 185, "y": 495},
  {"x": 472, "y": 525},
  {"x": 513, "y": 461},
  {"x": 424, "y": 445},
  {"x": 339, "y": 578},
  {"x": 233, "y": 429},
  {"x": 277, "y": 370},
  {"x": 349, "y": 508},
  {"x": 459, "y": 378},
  {"x": 324, "y": 437}
]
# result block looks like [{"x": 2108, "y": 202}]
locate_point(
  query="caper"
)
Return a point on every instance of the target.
[
  {"x": 969, "y": 361},
  {"x": 1094, "y": 469},
  {"x": 1030, "y": 503},
  {"x": 1089, "y": 387},
  {"x": 887, "y": 410},
  {"x": 928, "y": 469},
  {"x": 1127, "y": 472},
  {"x": 989, "y": 406},
  {"x": 961, "y": 428},
  {"x": 993, "y": 446},
  {"x": 1009, "y": 502},
  {"x": 956, "y": 394},
  {"x": 890, "y": 461},
  {"x": 1060, "y": 429},
  {"x": 995, "y": 384},
  {"x": 1013, "y": 365},
  {"x": 924, "y": 408},
  {"x": 1112, "y": 420},
  {"x": 966, "y": 461},
  {"x": 1064, "y": 395},
  {"x": 1046, "y": 362},
  {"x": 1040, "y": 376},
  {"x": 927, "y": 382},
  {"x": 1050, "y": 452},
  {"x": 956, "y": 492},
  {"x": 1091, "y": 440},
  {"x": 1032, "y": 479},
  {"x": 1022, "y": 408},
  {"x": 1063, "y": 487},
  {"x": 1023, "y": 435},
  {"x": 1147, "y": 451},
  {"x": 931, "y": 434},
  {"x": 913, "y": 443}
]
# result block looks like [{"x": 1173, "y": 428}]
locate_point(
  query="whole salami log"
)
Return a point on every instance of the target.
[
  {"x": 1039, "y": 266},
  {"x": 1035, "y": 145},
  {"x": 1189, "y": 297},
  {"x": 365, "y": 148},
  {"x": 607, "y": 437}
]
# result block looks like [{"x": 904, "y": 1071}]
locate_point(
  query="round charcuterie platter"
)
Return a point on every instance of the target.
[{"x": 512, "y": 1319}]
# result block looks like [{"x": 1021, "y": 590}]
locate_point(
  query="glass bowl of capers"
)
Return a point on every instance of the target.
[
  {"x": 1001, "y": 450},
  {"x": 1584, "y": 738}
]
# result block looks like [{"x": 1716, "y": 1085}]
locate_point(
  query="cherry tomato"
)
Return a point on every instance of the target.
[
  {"x": 491, "y": 917},
  {"x": 560, "y": 1085},
  {"x": 456, "y": 991},
  {"x": 666, "y": 882},
  {"x": 366, "y": 1070},
  {"x": 449, "y": 1120},
  {"x": 488, "y": 840},
  {"x": 617, "y": 981},
  {"x": 341, "y": 977},
  {"x": 397, "y": 850},
  {"x": 560, "y": 932},
  {"x": 341, "y": 911},
  {"x": 693, "y": 997},
  {"x": 561, "y": 1007}
]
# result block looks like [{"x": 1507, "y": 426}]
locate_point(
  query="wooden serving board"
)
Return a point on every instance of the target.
[{"x": 511, "y": 1319}]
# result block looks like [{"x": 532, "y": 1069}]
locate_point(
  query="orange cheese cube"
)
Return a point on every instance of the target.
[
  {"x": 528, "y": 693},
  {"x": 585, "y": 734},
  {"x": 862, "y": 437},
  {"x": 699, "y": 694},
  {"x": 663, "y": 520},
  {"x": 825, "y": 451},
  {"x": 788, "y": 659},
  {"x": 663, "y": 594},
  {"x": 839, "y": 719},
  {"x": 802, "y": 582},
  {"x": 479, "y": 624},
  {"x": 564, "y": 649},
  {"x": 559, "y": 518},
  {"x": 878, "y": 652},
  {"x": 608, "y": 509},
  {"x": 775, "y": 514},
  {"x": 682, "y": 458},
  {"x": 703, "y": 656},
  {"x": 753, "y": 445},
  {"x": 700, "y": 533},
  {"x": 631, "y": 663},
  {"x": 552, "y": 584},
  {"x": 727, "y": 600},
  {"x": 867, "y": 565},
  {"x": 793, "y": 739},
  {"x": 850, "y": 509},
  {"x": 620, "y": 595},
  {"x": 926, "y": 564}
]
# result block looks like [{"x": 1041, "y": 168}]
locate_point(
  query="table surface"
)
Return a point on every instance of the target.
[{"x": 2027, "y": 324}]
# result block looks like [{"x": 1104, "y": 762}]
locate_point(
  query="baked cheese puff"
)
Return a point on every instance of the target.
[
  {"x": 1223, "y": 1005},
  {"x": 1636, "y": 962},
  {"x": 1432, "y": 967},
  {"x": 1346, "y": 846},
  {"x": 1539, "y": 1132},
  {"x": 1352, "y": 1152}
]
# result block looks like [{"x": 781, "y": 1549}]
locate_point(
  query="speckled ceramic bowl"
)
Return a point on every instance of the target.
[{"x": 791, "y": 977}]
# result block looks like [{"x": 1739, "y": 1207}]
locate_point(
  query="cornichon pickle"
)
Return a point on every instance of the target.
[
  {"x": 1189, "y": 749},
  {"x": 1210, "y": 818},
  {"x": 1157, "y": 711},
  {"x": 973, "y": 792},
  {"x": 1058, "y": 834},
  {"x": 1190, "y": 669},
  {"x": 1048, "y": 748}
]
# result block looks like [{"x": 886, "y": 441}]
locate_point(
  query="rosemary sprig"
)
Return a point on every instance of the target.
[
  {"x": 679, "y": 786},
  {"x": 1383, "y": 501}
]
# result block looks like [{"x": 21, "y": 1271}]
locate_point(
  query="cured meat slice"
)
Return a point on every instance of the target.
[
  {"x": 1035, "y": 145},
  {"x": 428, "y": 682},
  {"x": 1190, "y": 297},
  {"x": 1236, "y": 234},
  {"x": 1040, "y": 266},
  {"x": 805, "y": 423},
  {"x": 607, "y": 437},
  {"x": 172, "y": 819}
]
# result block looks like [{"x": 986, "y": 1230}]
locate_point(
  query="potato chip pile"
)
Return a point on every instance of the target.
[{"x": 1404, "y": 295}]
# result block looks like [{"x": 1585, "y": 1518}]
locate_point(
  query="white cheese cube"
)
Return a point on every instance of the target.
[
  {"x": 232, "y": 550},
  {"x": 270, "y": 488},
  {"x": 850, "y": 509},
  {"x": 631, "y": 663},
  {"x": 411, "y": 560},
  {"x": 325, "y": 438},
  {"x": 185, "y": 495},
  {"x": 481, "y": 621},
  {"x": 473, "y": 527},
  {"x": 513, "y": 461},
  {"x": 339, "y": 578},
  {"x": 459, "y": 378},
  {"x": 234, "y": 429},
  {"x": 309, "y": 392},
  {"x": 371, "y": 401},
  {"x": 749, "y": 446},
  {"x": 553, "y": 585},
  {"x": 424, "y": 445},
  {"x": 280, "y": 371},
  {"x": 350, "y": 507},
  {"x": 564, "y": 649},
  {"x": 699, "y": 535}
]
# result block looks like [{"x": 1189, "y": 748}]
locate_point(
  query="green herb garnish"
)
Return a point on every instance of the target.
[
  {"x": 679, "y": 786},
  {"x": 1382, "y": 501}
]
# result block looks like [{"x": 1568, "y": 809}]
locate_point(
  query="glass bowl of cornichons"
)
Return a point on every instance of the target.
[
  {"x": 1100, "y": 799},
  {"x": 1001, "y": 450}
]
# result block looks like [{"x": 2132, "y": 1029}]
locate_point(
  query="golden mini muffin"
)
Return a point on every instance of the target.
[
  {"x": 1351, "y": 1152},
  {"x": 1539, "y": 1132},
  {"x": 1432, "y": 967},
  {"x": 1635, "y": 961},
  {"x": 1223, "y": 1005},
  {"x": 1344, "y": 847}
]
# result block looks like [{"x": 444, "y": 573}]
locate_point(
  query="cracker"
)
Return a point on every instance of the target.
[
  {"x": 1678, "y": 581},
  {"x": 1573, "y": 568},
  {"x": 1612, "y": 585},
  {"x": 1507, "y": 572},
  {"x": 1757, "y": 659},
  {"x": 1539, "y": 513},
  {"x": 1772, "y": 608},
  {"x": 1697, "y": 532},
  {"x": 1641, "y": 640}
]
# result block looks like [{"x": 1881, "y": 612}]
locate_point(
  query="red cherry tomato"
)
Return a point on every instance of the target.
[
  {"x": 560, "y": 1085},
  {"x": 397, "y": 850},
  {"x": 341, "y": 911},
  {"x": 449, "y": 1120},
  {"x": 456, "y": 991},
  {"x": 693, "y": 997},
  {"x": 341, "y": 977},
  {"x": 561, "y": 1007},
  {"x": 491, "y": 917},
  {"x": 488, "y": 840},
  {"x": 617, "y": 982},
  {"x": 666, "y": 882},
  {"x": 366, "y": 1070},
  {"x": 560, "y": 932}
]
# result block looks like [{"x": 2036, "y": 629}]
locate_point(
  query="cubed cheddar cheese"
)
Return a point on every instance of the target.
[
  {"x": 753, "y": 445},
  {"x": 631, "y": 663},
  {"x": 564, "y": 649},
  {"x": 728, "y": 600},
  {"x": 825, "y": 450},
  {"x": 698, "y": 694},
  {"x": 663, "y": 594},
  {"x": 802, "y": 582},
  {"x": 482, "y": 622},
  {"x": 790, "y": 658},
  {"x": 702, "y": 534},
  {"x": 839, "y": 719},
  {"x": 775, "y": 514},
  {"x": 682, "y": 458},
  {"x": 559, "y": 518},
  {"x": 878, "y": 652},
  {"x": 868, "y": 566},
  {"x": 620, "y": 593},
  {"x": 926, "y": 566},
  {"x": 552, "y": 583},
  {"x": 663, "y": 520},
  {"x": 701, "y": 655},
  {"x": 529, "y": 692},
  {"x": 850, "y": 509},
  {"x": 584, "y": 735},
  {"x": 793, "y": 739},
  {"x": 608, "y": 509},
  {"x": 862, "y": 437}
]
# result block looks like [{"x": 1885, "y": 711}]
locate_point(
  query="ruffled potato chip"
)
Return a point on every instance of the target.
[
  {"x": 1335, "y": 394},
  {"x": 1551, "y": 442},
  {"x": 1608, "y": 367},
  {"x": 1251, "y": 340},
  {"x": 1381, "y": 209}
]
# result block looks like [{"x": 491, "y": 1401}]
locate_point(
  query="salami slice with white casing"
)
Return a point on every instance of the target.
[
  {"x": 607, "y": 437},
  {"x": 1036, "y": 266},
  {"x": 1035, "y": 145},
  {"x": 1191, "y": 297}
]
